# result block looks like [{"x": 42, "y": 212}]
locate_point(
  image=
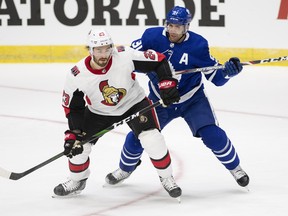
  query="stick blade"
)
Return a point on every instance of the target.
[{"x": 4, "y": 173}]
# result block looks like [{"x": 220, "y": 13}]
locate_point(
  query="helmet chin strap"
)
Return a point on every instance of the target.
[
  {"x": 91, "y": 51},
  {"x": 181, "y": 38}
]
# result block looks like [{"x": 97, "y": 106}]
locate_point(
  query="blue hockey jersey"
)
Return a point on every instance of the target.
[{"x": 193, "y": 52}]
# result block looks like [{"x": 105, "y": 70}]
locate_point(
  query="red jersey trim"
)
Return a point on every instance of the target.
[
  {"x": 76, "y": 168},
  {"x": 95, "y": 71},
  {"x": 162, "y": 163},
  {"x": 66, "y": 110}
]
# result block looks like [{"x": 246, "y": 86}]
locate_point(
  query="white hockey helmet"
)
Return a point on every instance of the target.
[{"x": 98, "y": 38}]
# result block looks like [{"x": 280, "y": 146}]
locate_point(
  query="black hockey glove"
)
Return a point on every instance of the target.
[
  {"x": 168, "y": 90},
  {"x": 232, "y": 67},
  {"x": 72, "y": 144}
]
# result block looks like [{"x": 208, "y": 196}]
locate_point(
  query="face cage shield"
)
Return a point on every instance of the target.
[{"x": 108, "y": 51}]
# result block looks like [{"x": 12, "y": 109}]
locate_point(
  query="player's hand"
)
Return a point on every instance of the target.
[
  {"x": 168, "y": 90},
  {"x": 232, "y": 67},
  {"x": 72, "y": 144}
]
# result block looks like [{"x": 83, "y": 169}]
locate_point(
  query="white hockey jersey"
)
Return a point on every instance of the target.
[{"x": 113, "y": 90}]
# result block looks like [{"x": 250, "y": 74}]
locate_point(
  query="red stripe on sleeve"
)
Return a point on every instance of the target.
[
  {"x": 66, "y": 110},
  {"x": 283, "y": 11},
  {"x": 160, "y": 56}
]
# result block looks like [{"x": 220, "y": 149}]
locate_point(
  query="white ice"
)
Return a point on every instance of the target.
[{"x": 252, "y": 109}]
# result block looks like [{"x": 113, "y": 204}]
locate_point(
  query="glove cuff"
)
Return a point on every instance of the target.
[{"x": 69, "y": 135}]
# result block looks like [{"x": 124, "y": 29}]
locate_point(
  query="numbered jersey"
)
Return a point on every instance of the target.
[
  {"x": 193, "y": 52},
  {"x": 112, "y": 90}
]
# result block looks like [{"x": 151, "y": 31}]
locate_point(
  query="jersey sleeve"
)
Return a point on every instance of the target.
[
  {"x": 206, "y": 59},
  {"x": 142, "y": 43},
  {"x": 137, "y": 45},
  {"x": 73, "y": 103},
  {"x": 150, "y": 61}
]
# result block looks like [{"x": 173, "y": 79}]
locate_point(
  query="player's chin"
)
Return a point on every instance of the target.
[
  {"x": 174, "y": 38},
  {"x": 102, "y": 62}
]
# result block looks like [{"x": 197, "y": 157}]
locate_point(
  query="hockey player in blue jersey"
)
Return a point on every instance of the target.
[{"x": 185, "y": 50}]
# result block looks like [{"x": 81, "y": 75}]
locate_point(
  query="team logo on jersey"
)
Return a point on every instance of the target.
[
  {"x": 150, "y": 54},
  {"x": 75, "y": 71},
  {"x": 65, "y": 99},
  {"x": 112, "y": 96}
]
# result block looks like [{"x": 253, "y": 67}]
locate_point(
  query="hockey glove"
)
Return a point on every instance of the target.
[
  {"x": 232, "y": 67},
  {"x": 72, "y": 144},
  {"x": 168, "y": 90}
]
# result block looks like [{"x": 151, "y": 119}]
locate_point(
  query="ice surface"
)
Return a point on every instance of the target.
[{"x": 252, "y": 109}]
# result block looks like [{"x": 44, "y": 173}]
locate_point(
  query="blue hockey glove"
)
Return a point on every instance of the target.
[
  {"x": 72, "y": 144},
  {"x": 232, "y": 67}
]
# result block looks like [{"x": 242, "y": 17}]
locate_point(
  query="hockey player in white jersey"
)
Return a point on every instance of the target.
[
  {"x": 185, "y": 50},
  {"x": 100, "y": 90}
]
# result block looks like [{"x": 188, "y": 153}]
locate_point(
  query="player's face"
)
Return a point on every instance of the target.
[
  {"x": 175, "y": 32},
  {"x": 101, "y": 55}
]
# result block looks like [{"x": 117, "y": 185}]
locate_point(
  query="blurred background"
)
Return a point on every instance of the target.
[
  {"x": 40, "y": 40},
  {"x": 56, "y": 30}
]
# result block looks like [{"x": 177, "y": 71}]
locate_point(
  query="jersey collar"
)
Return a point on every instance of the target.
[{"x": 95, "y": 71}]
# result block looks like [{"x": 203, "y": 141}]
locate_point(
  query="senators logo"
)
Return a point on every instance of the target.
[{"x": 112, "y": 96}]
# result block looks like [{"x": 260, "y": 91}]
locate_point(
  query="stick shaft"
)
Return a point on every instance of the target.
[
  {"x": 268, "y": 60},
  {"x": 211, "y": 68},
  {"x": 15, "y": 176},
  {"x": 129, "y": 118}
]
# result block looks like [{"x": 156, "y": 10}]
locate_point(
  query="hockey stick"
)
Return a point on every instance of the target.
[
  {"x": 15, "y": 176},
  {"x": 206, "y": 69}
]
